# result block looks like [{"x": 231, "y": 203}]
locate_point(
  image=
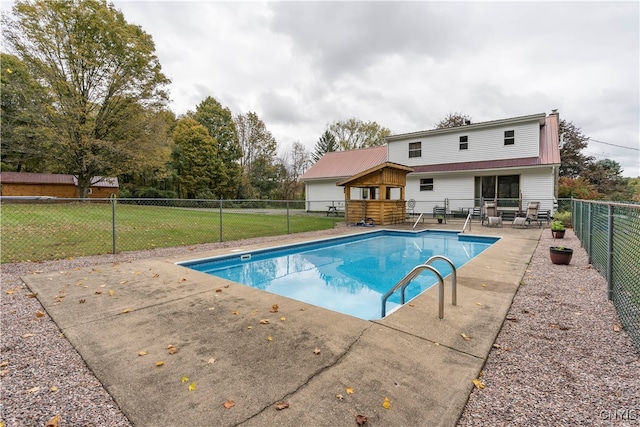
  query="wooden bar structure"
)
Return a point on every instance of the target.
[{"x": 377, "y": 205}]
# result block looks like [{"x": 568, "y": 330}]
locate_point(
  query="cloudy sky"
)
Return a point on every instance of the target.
[{"x": 405, "y": 65}]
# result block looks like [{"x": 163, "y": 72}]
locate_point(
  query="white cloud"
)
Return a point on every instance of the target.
[{"x": 405, "y": 65}]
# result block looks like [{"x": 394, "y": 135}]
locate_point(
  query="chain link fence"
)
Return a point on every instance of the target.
[
  {"x": 610, "y": 233},
  {"x": 37, "y": 229}
]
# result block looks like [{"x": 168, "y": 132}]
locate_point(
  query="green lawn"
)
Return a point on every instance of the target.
[{"x": 55, "y": 231}]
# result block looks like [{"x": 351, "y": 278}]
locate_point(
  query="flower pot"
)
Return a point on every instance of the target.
[
  {"x": 557, "y": 234},
  {"x": 439, "y": 220},
  {"x": 560, "y": 255}
]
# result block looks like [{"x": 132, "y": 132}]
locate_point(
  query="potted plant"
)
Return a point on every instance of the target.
[
  {"x": 440, "y": 219},
  {"x": 560, "y": 255},
  {"x": 557, "y": 229}
]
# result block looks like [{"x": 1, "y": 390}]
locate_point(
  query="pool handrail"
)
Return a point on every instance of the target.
[
  {"x": 454, "y": 276},
  {"x": 415, "y": 272}
]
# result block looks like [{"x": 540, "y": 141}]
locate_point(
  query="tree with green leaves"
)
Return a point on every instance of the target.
[
  {"x": 259, "y": 151},
  {"x": 326, "y": 144},
  {"x": 353, "y": 133},
  {"x": 574, "y": 164},
  {"x": 453, "y": 120},
  {"x": 24, "y": 132},
  {"x": 219, "y": 122},
  {"x": 199, "y": 172},
  {"x": 606, "y": 176},
  {"x": 294, "y": 163},
  {"x": 95, "y": 66}
]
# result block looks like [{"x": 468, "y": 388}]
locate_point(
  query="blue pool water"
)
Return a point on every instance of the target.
[{"x": 348, "y": 274}]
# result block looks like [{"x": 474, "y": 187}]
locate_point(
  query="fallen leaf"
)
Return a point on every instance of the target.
[
  {"x": 33, "y": 390},
  {"x": 229, "y": 404},
  {"x": 53, "y": 389},
  {"x": 171, "y": 349},
  {"x": 497, "y": 346},
  {"x": 349, "y": 390},
  {"x": 192, "y": 386},
  {"x": 316, "y": 350},
  {"x": 281, "y": 405},
  {"x": 274, "y": 308},
  {"x": 123, "y": 282},
  {"x": 410, "y": 305},
  {"x": 112, "y": 292},
  {"x": 212, "y": 360},
  {"x": 478, "y": 303},
  {"x": 264, "y": 321},
  {"x": 218, "y": 290},
  {"x": 282, "y": 319},
  {"x": 126, "y": 310},
  {"x": 98, "y": 292},
  {"x": 82, "y": 301},
  {"x": 184, "y": 379},
  {"x": 159, "y": 363},
  {"x": 183, "y": 280},
  {"x": 27, "y": 335},
  {"x": 617, "y": 327},
  {"x": 465, "y": 336},
  {"x": 39, "y": 314},
  {"x": 32, "y": 295},
  {"x": 3, "y": 364},
  {"x": 142, "y": 353},
  {"x": 155, "y": 276},
  {"x": 339, "y": 396},
  {"x": 269, "y": 338},
  {"x": 387, "y": 403},
  {"x": 4, "y": 372},
  {"x": 10, "y": 291},
  {"x": 53, "y": 422},
  {"x": 361, "y": 420},
  {"x": 249, "y": 327},
  {"x": 479, "y": 384},
  {"x": 235, "y": 312},
  {"x": 254, "y": 312},
  {"x": 484, "y": 286}
]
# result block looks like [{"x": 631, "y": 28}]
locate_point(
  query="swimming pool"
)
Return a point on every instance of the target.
[{"x": 347, "y": 274}]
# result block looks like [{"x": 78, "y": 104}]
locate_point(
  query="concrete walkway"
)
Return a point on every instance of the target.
[{"x": 201, "y": 332}]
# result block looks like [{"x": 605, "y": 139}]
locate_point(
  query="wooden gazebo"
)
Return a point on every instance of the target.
[{"x": 382, "y": 190}]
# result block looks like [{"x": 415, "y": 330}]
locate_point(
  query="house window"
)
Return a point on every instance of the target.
[
  {"x": 464, "y": 142},
  {"x": 505, "y": 188},
  {"x": 509, "y": 137},
  {"x": 426, "y": 184},
  {"x": 415, "y": 149}
]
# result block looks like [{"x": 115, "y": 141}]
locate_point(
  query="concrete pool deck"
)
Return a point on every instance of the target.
[{"x": 211, "y": 335}]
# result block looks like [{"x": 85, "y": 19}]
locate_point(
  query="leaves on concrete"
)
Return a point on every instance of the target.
[
  {"x": 361, "y": 420},
  {"x": 349, "y": 390},
  {"x": 281, "y": 405},
  {"x": 53, "y": 422},
  {"x": 274, "y": 308},
  {"x": 229, "y": 404},
  {"x": 386, "y": 404},
  {"x": 479, "y": 384}
]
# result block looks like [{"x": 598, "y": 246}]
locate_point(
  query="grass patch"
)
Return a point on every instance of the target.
[{"x": 55, "y": 231}]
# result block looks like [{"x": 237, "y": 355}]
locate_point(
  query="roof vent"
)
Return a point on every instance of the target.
[{"x": 467, "y": 122}]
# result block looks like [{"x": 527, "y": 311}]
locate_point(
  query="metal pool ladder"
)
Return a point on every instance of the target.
[{"x": 415, "y": 272}]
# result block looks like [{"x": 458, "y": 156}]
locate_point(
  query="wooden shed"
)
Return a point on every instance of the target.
[
  {"x": 382, "y": 190},
  {"x": 25, "y": 184}
]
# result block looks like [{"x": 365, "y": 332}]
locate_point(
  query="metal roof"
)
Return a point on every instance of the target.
[
  {"x": 53, "y": 178},
  {"x": 339, "y": 164}
]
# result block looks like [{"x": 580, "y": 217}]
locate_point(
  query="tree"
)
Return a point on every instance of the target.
[
  {"x": 95, "y": 66},
  {"x": 354, "y": 133},
  {"x": 24, "y": 133},
  {"x": 326, "y": 144},
  {"x": 294, "y": 163},
  {"x": 573, "y": 163},
  {"x": 579, "y": 188},
  {"x": 258, "y": 156},
  {"x": 198, "y": 171},
  {"x": 606, "y": 177},
  {"x": 453, "y": 120},
  {"x": 218, "y": 121}
]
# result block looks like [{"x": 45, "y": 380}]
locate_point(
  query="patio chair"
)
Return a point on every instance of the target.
[
  {"x": 490, "y": 215},
  {"x": 531, "y": 215}
]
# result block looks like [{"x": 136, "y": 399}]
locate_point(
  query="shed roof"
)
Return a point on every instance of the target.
[
  {"x": 339, "y": 164},
  {"x": 53, "y": 178},
  {"x": 390, "y": 165}
]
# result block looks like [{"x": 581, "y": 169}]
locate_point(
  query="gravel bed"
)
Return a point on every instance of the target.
[{"x": 559, "y": 358}]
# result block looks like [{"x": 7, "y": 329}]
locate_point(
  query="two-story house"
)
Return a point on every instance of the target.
[{"x": 513, "y": 161}]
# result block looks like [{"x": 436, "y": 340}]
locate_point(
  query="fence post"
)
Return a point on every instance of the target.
[
  {"x": 221, "y": 220},
  {"x": 590, "y": 232},
  {"x": 288, "y": 230},
  {"x": 610, "y": 252},
  {"x": 113, "y": 221}
]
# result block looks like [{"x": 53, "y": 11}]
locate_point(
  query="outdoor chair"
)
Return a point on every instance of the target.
[
  {"x": 530, "y": 216},
  {"x": 490, "y": 215}
]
